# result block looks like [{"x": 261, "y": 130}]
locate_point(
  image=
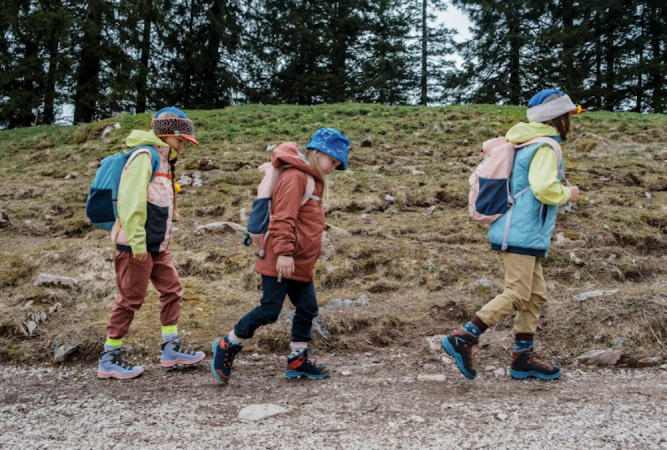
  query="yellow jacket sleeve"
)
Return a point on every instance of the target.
[
  {"x": 132, "y": 201},
  {"x": 543, "y": 178}
]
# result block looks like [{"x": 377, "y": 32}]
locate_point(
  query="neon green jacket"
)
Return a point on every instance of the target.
[
  {"x": 543, "y": 172},
  {"x": 132, "y": 192}
]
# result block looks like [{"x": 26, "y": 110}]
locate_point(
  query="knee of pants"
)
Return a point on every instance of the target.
[
  {"x": 126, "y": 304},
  {"x": 519, "y": 299},
  {"x": 269, "y": 314},
  {"x": 307, "y": 313}
]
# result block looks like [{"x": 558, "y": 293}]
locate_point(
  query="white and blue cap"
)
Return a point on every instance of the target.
[
  {"x": 549, "y": 104},
  {"x": 333, "y": 143}
]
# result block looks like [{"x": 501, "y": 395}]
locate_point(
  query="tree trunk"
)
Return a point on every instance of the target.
[
  {"x": 339, "y": 53},
  {"x": 424, "y": 80},
  {"x": 609, "y": 76},
  {"x": 513, "y": 23},
  {"x": 656, "y": 74},
  {"x": 569, "y": 43},
  {"x": 87, "y": 80},
  {"x": 142, "y": 81}
]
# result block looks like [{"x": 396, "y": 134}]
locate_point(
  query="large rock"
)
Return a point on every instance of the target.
[
  {"x": 56, "y": 280},
  {"x": 257, "y": 412},
  {"x": 219, "y": 228},
  {"x": 606, "y": 357},
  {"x": 63, "y": 352}
]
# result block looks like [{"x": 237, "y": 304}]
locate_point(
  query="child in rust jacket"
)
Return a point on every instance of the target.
[{"x": 293, "y": 244}]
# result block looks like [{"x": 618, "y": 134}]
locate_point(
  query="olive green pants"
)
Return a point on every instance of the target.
[{"x": 525, "y": 291}]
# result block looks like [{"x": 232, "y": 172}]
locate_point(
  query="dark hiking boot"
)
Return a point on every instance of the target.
[
  {"x": 459, "y": 345},
  {"x": 223, "y": 358},
  {"x": 527, "y": 363},
  {"x": 301, "y": 366}
]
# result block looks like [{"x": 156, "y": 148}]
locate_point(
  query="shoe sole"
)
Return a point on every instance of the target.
[
  {"x": 294, "y": 374},
  {"x": 116, "y": 376},
  {"x": 457, "y": 358},
  {"x": 523, "y": 375},
  {"x": 214, "y": 348},
  {"x": 183, "y": 361}
]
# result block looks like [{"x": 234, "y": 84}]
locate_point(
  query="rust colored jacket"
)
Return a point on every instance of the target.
[{"x": 293, "y": 229}]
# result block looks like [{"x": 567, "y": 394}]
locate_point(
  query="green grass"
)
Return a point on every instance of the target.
[{"x": 419, "y": 272}]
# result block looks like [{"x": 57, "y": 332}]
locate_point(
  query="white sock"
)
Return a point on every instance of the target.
[
  {"x": 168, "y": 337},
  {"x": 234, "y": 339},
  {"x": 298, "y": 348}
]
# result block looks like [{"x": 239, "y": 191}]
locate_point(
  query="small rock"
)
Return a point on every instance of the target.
[
  {"x": 430, "y": 368},
  {"x": 185, "y": 181},
  {"x": 336, "y": 303},
  {"x": 57, "y": 280},
  {"x": 418, "y": 172},
  {"x": 6, "y": 221},
  {"x": 429, "y": 210},
  {"x": 663, "y": 367},
  {"x": 501, "y": 416},
  {"x": 576, "y": 260},
  {"x": 270, "y": 147},
  {"x": 650, "y": 362},
  {"x": 30, "y": 325},
  {"x": 483, "y": 282},
  {"x": 219, "y": 228},
  {"x": 417, "y": 419},
  {"x": 601, "y": 357},
  {"x": 67, "y": 177},
  {"x": 337, "y": 231},
  {"x": 648, "y": 195},
  {"x": 622, "y": 342},
  {"x": 28, "y": 304},
  {"x": 243, "y": 214},
  {"x": 566, "y": 208},
  {"x": 431, "y": 377},
  {"x": 199, "y": 309},
  {"x": 320, "y": 328},
  {"x": 63, "y": 352},
  {"x": 55, "y": 308},
  {"x": 257, "y": 412},
  {"x": 197, "y": 182},
  {"x": 434, "y": 342},
  {"x": 499, "y": 372},
  {"x": 489, "y": 368},
  {"x": 389, "y": 198},
  {"x": 346, "y": 373},
  {"x": 368, "y": 142}
]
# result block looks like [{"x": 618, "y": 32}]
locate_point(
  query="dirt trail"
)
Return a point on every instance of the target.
[{"x": 389, "y": 399}]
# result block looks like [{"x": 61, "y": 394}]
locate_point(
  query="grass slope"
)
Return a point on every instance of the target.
[{"x": 420, "y": 273}]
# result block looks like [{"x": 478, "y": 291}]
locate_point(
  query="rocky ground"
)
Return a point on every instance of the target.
[{"x": 384, "y": 399}]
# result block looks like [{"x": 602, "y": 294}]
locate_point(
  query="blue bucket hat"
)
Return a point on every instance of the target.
[{"x": 333, "y": 143}]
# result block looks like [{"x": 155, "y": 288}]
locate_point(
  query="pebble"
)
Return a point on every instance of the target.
[
  {"x": 257, "y": 412},
  {"x": 346, "y": 373}
]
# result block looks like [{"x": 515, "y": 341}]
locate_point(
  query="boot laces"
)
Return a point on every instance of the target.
[
  {"x": 176, "y": 342},
  {"x": 535, "y": 358},
  {"x": 117, "y": 358}
]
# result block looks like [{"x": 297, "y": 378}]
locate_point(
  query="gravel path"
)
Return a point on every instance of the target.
[{"x": 383, "y": 401}]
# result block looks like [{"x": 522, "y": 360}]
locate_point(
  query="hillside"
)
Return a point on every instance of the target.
[{"x": 421, "y": 274}]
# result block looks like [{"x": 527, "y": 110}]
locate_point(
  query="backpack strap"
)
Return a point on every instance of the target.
[
  {"x": 155, "y": 160},
  {"x": 556, "y": 148},
  {"x": 310, "y": 188}
]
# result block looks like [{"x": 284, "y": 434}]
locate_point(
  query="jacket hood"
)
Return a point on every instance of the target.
[
  {"x": 287, "y": 154},
  {"x": 138, "y": 138},
  {"x": 523, "y": 132}
]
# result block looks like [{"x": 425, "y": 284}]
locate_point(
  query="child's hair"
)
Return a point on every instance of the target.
[
  {"x": 561, "y": 124},
  {"x": 311, "y": 156}
]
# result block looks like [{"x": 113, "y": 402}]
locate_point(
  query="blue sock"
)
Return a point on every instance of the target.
[
  {"x": 522, "y": 345},
  {"x": 472, "y": 329}
]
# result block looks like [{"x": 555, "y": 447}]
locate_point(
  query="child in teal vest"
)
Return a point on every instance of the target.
[{"x": 532, "y": 224}]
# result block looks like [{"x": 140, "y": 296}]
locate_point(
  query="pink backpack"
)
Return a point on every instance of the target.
[
  {"x": 258, "y": 222},
  {"x": 490, "y": 195}
]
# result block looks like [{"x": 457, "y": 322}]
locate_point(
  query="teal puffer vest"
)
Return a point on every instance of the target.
[{"x": 532, "y": 222}]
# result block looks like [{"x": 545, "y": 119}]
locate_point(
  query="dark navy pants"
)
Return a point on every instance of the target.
[{"x": 302, "y": 296}]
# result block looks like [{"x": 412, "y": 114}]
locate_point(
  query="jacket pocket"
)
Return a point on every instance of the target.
[{"x": 156, "y": 224}]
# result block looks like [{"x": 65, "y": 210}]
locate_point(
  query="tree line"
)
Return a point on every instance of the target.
[{"x": 110, "y": 56}]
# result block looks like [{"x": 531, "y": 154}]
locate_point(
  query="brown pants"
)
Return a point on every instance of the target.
[
  {"x": 525, "y": 291},
  {"x": 132, "y": 279}
]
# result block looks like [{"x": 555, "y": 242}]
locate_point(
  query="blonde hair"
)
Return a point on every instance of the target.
[{"x": 311, "y": 157}]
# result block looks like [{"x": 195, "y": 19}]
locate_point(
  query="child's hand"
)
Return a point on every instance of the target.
[
  {"x": 574, "y": 196},
  {"x": 141, "y": 257},
  {"x": 285, "y": 266}
]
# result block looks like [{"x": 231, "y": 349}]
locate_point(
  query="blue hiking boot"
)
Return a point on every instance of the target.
[
  {"x": 527, "y": 363},
  {"x": 112, "y": 365},
  {"x": 459, "y": 345},
  {"x": 224, "y": 353},
  {"x": 173, "y": 354},
  {"x": 301, "y": 366}
]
